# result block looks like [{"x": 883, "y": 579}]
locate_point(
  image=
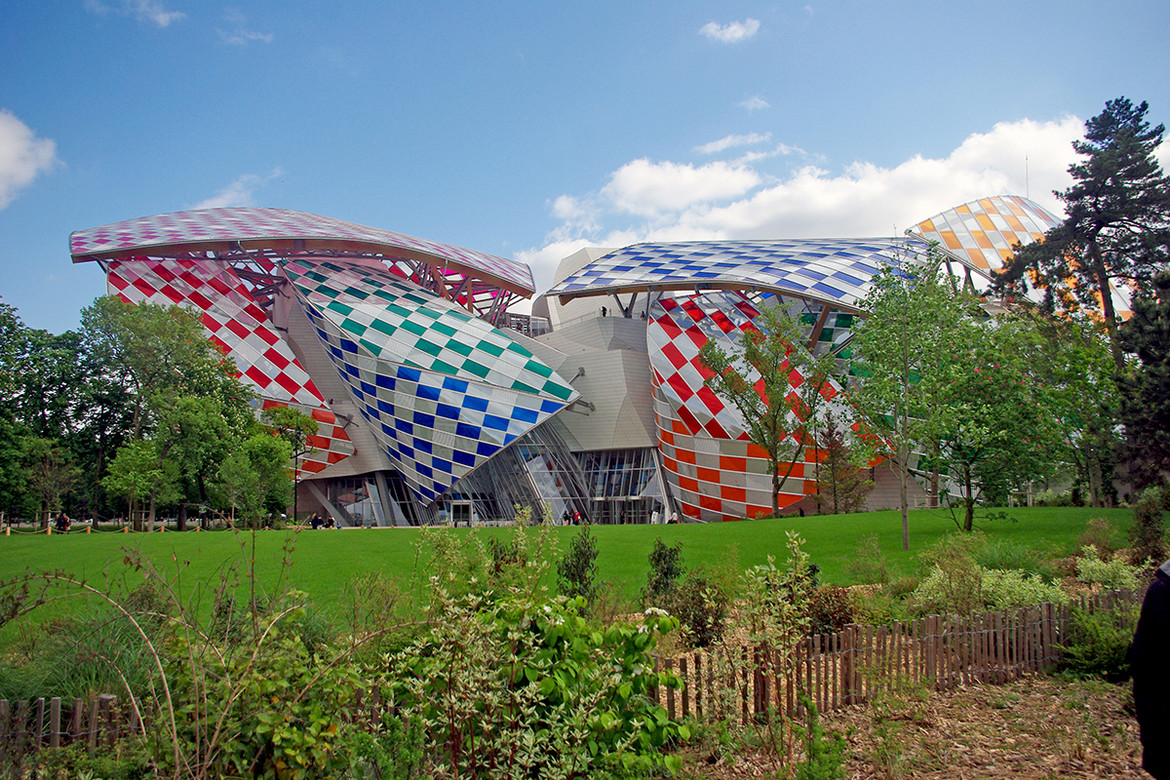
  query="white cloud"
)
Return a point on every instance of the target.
[
  {"x": 647, "y": 188},
  {"x": 673, "y": 201},
  {"x": 23, "y": 156},
  {"x": 240, "y": 35},
  {"x": 240, "y": 192},
  {"x": 753, "y": 103},
  {"x": 729, "y": 141},
  {"x": 733, "y": 32},
  {"x": 143, "y": 10}
]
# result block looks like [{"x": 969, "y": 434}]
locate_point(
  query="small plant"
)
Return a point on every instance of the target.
[
  {"x": 1007, "y": 555},
  {"x": 666, "y": 567},
  {"x": 824, "y": 752},
  {"x": 1099, "y": 643},
  {"x": 577, "y": 571},
  {"x": 700, "y": 604},
  {"x": 1014, "y": 588},
  {"x": 1100, "y": 533},
  {"x": 869, "y": 566}
]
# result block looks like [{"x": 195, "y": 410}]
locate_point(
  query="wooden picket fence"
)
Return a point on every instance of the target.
[
  {"x": 850, "y": 667},
  {"x": 834, "y": 671}
]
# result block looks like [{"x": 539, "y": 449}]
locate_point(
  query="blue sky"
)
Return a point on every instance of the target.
[{"x": 530, "y": 129}]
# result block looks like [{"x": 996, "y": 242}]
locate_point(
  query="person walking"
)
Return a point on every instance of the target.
[{"x": 1151, "y": 675}]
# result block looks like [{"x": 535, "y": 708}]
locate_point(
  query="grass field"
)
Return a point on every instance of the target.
[{"x": 324, "y": 561}]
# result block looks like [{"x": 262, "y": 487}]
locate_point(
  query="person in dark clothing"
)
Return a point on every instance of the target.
[{"x": 1149, "y": 658}]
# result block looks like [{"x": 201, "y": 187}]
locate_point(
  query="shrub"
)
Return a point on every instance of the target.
[
  {"x": 829, "y": 610},
  {"x": 1099, "y": 643},
  {"x": 700, "y": 603},
  {"x": 1147, "y": 543},
  {"x": 1014, "y": 588},
  {"x": 953, "y": 584},
  {"x": 1006, "y": 555},
  {"x": 1113, "y": 574},
  {"x": 523, "y": 686},
  {"x": 577, "y": 571},
  {"x": 666, "y": 567}
]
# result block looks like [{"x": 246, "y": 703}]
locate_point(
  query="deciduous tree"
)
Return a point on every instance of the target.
[{"x": 755, "y": 377}]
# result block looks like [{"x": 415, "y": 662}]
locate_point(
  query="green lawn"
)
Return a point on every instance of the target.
[{"x": 323, "y": 561}]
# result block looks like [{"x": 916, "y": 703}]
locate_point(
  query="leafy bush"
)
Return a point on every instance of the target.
[
  {"x": 1099, "y": 643},
  {"x": 972, "y": 589},
  {"x": 577, "y": 571},
  {"x": 953, "y": 583},
  {"x": 666, "y": 567},
  {"x": 1113, "y": 574},
  {"x": 829, "y": 610},
  {"x": 523, "y": 686},
  {"x": 1014, "y": 588},
  {"x": 700, "y": 604},
  {"x": 824, "y": 752}
]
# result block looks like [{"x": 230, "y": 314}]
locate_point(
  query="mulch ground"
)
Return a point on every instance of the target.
[{"x": 1037, "y": 727}]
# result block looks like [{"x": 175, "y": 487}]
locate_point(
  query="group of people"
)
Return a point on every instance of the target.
[{"x": 316, "y": 521}]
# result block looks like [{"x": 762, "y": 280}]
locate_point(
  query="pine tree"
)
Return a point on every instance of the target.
[
  {"x": 1117, "y": 231},
  {"x": 1145, "y": 410}
]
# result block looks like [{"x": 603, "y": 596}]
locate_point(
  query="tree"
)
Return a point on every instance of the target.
[
  {"x": 904, "y": 359},
  {"x": 842, "y": 482},
  {"x": 756, "y": 378},
  {"x": 139, "y": 473},
  {"x": 1117, "y": 231},
  {"x": 237, "y": 485},
  {"x": 48, "y": 472},
  {"x": 1073, "y": 372},
  {"x": 159, "y": 350},
  {"x": 1145, "y": 387},
  {"x": 999, "y": 434},
  {"x": 295, "y": 427}
]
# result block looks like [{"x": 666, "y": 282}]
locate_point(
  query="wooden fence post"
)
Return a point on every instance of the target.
[{"x": 55, "y": 722}]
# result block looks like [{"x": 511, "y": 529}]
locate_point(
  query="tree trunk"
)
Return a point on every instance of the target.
[
  {"x": 904, "y": 492},
  {"x": 968, "y": 501},
  {"x": 181, "y": 522}
]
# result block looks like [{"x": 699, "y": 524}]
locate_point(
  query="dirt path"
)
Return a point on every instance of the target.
[{"x": 1038, "y": 727}]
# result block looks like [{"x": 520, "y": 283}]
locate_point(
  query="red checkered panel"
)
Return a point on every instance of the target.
[
  {"x": 712, "y": 467},
  {"x": 240, "y": 329},
  {"x": 235, "y": 322},
  {"x": 330, "y": 444}
]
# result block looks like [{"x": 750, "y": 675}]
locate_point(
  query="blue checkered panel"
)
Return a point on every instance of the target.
[
  {"x": 834, "y": 271},
  {"x": 443, "y": 391}
]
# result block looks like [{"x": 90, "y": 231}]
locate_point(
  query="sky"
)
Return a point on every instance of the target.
[{"x": 531, "y": 129}]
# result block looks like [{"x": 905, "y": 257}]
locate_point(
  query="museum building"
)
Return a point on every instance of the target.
[{"x": 436, "y": 402}]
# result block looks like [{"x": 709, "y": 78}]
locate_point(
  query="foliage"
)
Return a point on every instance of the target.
[
  {"x": 666, "y": 567},
  {"x": 49, "y": 472},
  {"x": 700, "y": 602},
  {"x": 1145, "y": 385},
  {"x": 519, "y": 686},
  {"x": 1098, "y": 644},
  {"x": 1118, "y": 226},
  {"x": 1014, "y": 588},
  {"x": 577, "y": 570},
  {"x": 755, "y": 377},
  {"x": 953, "y": 582},
  {"x": 1148, "y": 535},
  {"x": 391, "y": 750},
  {"x": 868, "y": 565},
  {"x": 904, "y": 356}
]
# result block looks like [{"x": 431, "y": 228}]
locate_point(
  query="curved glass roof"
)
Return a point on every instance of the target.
[
  {"x": 836, "y": 271},
  {"x": 983, "y": 234},
  {"x": 281, "y": 231}
]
